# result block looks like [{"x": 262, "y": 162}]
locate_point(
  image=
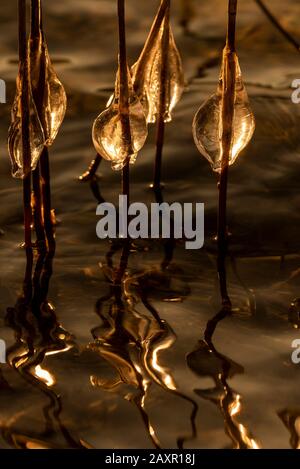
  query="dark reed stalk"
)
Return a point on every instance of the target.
[
  {"x": 124, "y": 94},
  {"x": 38, "y": 51},
  {"x": 160, "y": 136},
  {"x": 37, "y": 208},
  {"x": 24, "y": 67},
  {"x": 38, "y": 98},
  {"x": 126, "y": 181},
  {"x": 27, "y": 283},
  {"x": 46, "y": 191},
  {"x": 278, "y": 25},
  {"x": 227, "y": 134}
]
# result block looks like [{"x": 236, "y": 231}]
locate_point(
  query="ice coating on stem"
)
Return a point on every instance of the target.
[
  {"x": 110, "y": 138},
  {"x": 208, "y": 126},
  {"x": 44, "y": 79},
  {"x": 47, "y": 100},
  {"x": 36, "y": 134},
  {"x": 157, "y": 55}
]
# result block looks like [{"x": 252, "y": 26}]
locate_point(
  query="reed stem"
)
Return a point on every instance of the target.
[
  {"x": 124, "y": 93},
  {"x": 24, "y": 68},
  {"x": 126, "y": 181},
  {"x": 229, "y": 73},
  {"x": 46, "y": 192},
  {"x": 37, "y": 51},
  {"x": 160, "y": 136},
  {"x": 37, "y": 207},
  {"x": 232, "y": 11},
  {"x": 27, "y": 283}
]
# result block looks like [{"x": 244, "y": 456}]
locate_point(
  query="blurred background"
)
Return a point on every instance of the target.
[{"x": 241, "y": 390}]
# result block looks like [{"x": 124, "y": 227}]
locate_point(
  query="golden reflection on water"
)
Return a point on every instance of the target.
[
  {"x": 132, "y": 339},
  {"x": 132, "y": 342},
  {"x": 38, "y": 334},
  {"x": 206, "y": 360},
  {"x": 44, "y": 375}
]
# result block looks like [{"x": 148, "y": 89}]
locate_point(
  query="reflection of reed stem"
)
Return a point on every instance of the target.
[
  {"x": 277, "y": 25},
  {"x": 228, "y": 74},
  {"x": 123, "y": 264},
  {"x": 162, "y": 100},
  {"x": 24, "y": 65}
]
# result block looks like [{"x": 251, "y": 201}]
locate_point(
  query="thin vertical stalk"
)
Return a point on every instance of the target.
[
  {"x": 160, "y": 136},
  {"x": 24, "y": 66},
  {"x": 232, "y": 11},
  {"x": 27, "y": 283},
  {"x": 126, "y": 181},
  {"x": 37, "y": 51},
  {"x": 229, "y": 73},
  {"x": 38, "y": 94},
  {"x": 124, "y": 93},
  {"x": 46, "y": 191},
  {"x": 37, "y": 207}
]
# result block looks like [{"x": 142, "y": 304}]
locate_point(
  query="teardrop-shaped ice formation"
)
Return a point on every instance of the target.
[
  {"x": 147, "y": 71},
  {"x": 54, "y": 100},
  {"x": 53, "y": 107},
  {"x": 36, "y": 133},
  {"x": 208, "y": 126},
  {"x": 110, "y": 138}
]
